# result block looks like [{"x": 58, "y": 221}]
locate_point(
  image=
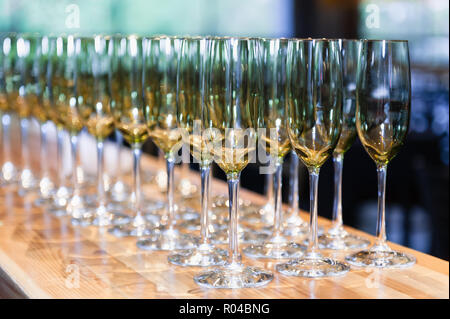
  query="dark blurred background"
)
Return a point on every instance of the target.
[{"x": 418, "y": 178}]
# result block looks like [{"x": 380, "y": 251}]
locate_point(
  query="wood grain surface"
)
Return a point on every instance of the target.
[{"x": 42, "y": 256}]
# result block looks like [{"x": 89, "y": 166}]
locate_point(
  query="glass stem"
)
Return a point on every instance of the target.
[
  {"x": 269, "y": 188},
  {"x": 74, "y": 147},
  {"x": 170, "y": 160},
  {"x": 44, "y": 150},
  {"x": 381, "y": 221},
  {"x": 313, "y": 195},
  {"x": 137, "y": 152},
  {"x": 59, "y": 155},
  {"x": 338, "y": 161},
  {"x": 234, "y": 257},
  {"x": 204, "y": 222},
  {"x": 101, "y": 193},
  {"x": 24, "y": 124},
  {"x": 6, "y": 122},
  {"x": 119, "y": 143},
  {"x": 277, "y": 218},
  {"x": 293, "y": 183}
]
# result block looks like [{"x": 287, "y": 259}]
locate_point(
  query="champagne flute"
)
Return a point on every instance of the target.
[
  {"x": 41, "y": 114},
  {"x": 61, "y": 70},
  {"x": 9, "y": 171},
  {"x": 193, "y": 122},
  {"x": 273, "y": 137},
  {"x": 21, "y": 85},
  {"x": 314, "y": 126},
  {"x": 73, "y": 118},
  {"x": 129, "y": 117},
  {"x": 94, "y": 101},
  {"x": 161, "y": 58},
  {"x": 337, "y": 237},
  {"x": 233, "y": 90},
  {"x": 383, "y": 105}
]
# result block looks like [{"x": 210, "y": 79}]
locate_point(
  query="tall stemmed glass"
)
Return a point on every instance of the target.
[
  {"x": 193, "y": 122},
  {"x": 233, "y": 90},
  {"x": 337, "y": 237},
  {"x": 273, "y": 137},
  {"x": 94, "y": 97},
  {"x": 73, "y": 117},
  {"x": 8, "y": 171},
  {"x": 160, "y": 93},
  {"x": 21, "y": 85},
  {"x": 314, "y": 126},
  {"x": 383, "y": 104},
  {"x": 61, "y": 76},
  {"x": 129, "y": 115},
  {"x": 41, "y": 114}
]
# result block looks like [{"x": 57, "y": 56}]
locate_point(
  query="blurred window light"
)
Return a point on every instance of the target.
[{"x": 269, "y": 18}]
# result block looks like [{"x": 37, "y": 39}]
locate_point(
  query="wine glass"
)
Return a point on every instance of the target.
[
  {"x": 61, "y": 75},
  {"x": 314, "y": 125},
  {"x": 273, "y": 137},
  {"x": 193, "y": 122},
  {"x": 41, "y": 114},
  {"x": 94, "y": 104},
  {"x": 337, "y": 237},
  {"x": 233, "y": 93},
  {"x": 129, "y": 116},
  {"x": 8, "y": 171},
  {"x": 161, "y": 58},
  {"x": 73, "y": 117},
  {"x": 21, "y": 93},
  {"x": 383, "y": 104}
]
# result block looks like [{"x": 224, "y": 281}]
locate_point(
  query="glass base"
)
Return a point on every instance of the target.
[
  {"x": 119, "y": 192},
  {"x": 136, "y": 227},
  {"x": 167, "y": 240},
  {"x": 203, "y": 256},
  {"x": 101, "y": 218},
  {"x": 275, "y": 250},
  {"x": 313, "y": 266},
  {"x": 46, "y": 189},
  {"x": 234, "y": 276},
  {"x": 186, "y": 189},
  {"x": 8, "y": 173},
  {"x": 147, "y": 205},
  {"x": 59, "y": 202},
  {"x": 194, "y": 225},
  {"x": 385, "y": 258},
  {"x": 342, "y": 240},
  {"x": 300, "y": 231},
  {"x": 27, "y": 182},
  {"x": 246, "y": 236},
  {"x": 42, "y": 201},
  {"x": 254, "y": 215}
]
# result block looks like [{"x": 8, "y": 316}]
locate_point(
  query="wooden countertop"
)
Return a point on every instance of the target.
[{"x": 41, "y": 255}]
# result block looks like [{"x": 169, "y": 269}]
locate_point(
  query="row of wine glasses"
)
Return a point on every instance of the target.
[{"x": 230, "y": 100}]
